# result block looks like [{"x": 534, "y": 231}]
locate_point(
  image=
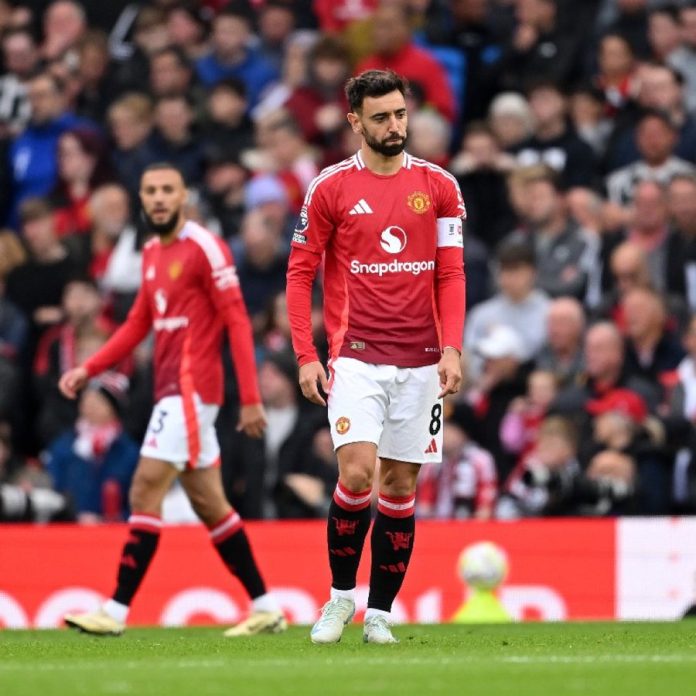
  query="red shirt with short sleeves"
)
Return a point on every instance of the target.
[
  {"x": 393, "y": 254},
  {"x": 189, "y": 293}
]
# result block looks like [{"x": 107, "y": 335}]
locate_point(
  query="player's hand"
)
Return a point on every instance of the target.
[
  {"x": 252, "y": 420},
  {"x": 73, "y": 381},
  {"x": 450, "y": 371},
  {"x": 311, "y": 374}
]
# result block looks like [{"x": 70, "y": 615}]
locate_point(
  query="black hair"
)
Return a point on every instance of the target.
[
  {"x": 373, "y": 83},
  {"x": 159, "y": 166}
]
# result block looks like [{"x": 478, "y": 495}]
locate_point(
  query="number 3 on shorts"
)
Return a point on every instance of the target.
[
  {"x": 160, "y": 422},
  {"x": 435, "y": 419}
]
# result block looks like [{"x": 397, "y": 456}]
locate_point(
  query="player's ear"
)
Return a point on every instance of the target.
[{"x": 354, "y": 122}]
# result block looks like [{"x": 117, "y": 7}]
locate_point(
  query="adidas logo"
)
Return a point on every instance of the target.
[
  {"x": 361, "y": 208},
  {"x": 432, "y": 447}
]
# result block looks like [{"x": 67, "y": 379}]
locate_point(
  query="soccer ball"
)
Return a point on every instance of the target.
[{"x": 483, "y": 565}]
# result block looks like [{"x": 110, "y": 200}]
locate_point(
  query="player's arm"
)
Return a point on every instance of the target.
[
  {"x": 450, "y": 286},
  {"x": 223, "y": 286},
  {"x": 118, "y": 347},
  {"x": 312, "y": 232}
]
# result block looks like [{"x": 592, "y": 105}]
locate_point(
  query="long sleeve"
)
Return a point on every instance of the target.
[
  {"x": 302, "y": 269},
  {"x": 242, "y": 348},
  {"x": 451, "y": 295},
  {"x": 124, "y": 341}
]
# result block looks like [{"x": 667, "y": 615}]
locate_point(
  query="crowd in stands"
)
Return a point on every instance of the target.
[{"x": 571, "y": 129}]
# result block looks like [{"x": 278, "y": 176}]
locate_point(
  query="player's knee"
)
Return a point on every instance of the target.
[
  {"x": 210, "y": 508},
  {"x": 400, "y": 483},
  {"x": 356, "y": 478},
  {"x": 144, "y": 495}
]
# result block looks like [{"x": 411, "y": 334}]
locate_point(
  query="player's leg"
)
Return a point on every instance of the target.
[
  {"x": 412, "y": 436},
  {"x": 391, "y": 541},
  {"x": 204, "y": 489},
  {"x": 151, "y": 481},
  {"x": 356, "y": 406}
]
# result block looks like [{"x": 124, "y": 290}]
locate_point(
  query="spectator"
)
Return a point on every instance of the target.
[
  {"x": 262, "y": 265},
  {"x": 63, "y": 347},
  {"x": 649, "y": 229},
  {"x": 224, "y": 192},
  {"x": 656, "y": 138},
  {"x": 111, "y": 250},
  {"x": 131, "y": 119},
  {"x": 95, "y": 74},
  {"x": 520, "y": 425},
  {"x": 395, "y": 50},
  {"x": 174, "y": 140},
  {"x": 511, "y": 120},
  {"x": 565, "y": 253},
  {"x": 319, "y": 106},
  {"x": 82, "y": 166},
  {"x": 429, "y": 137},
  {"x": 517, "y": 305},
  {"x": 187, "y": 28},
  {"x": 562, "y": 354},
  {"x": 481, "y": 168},
  {"x": 627, "y": 18},
  {"x": 653, "y": 352},
  {"x": 276, "y": 22},
  {"x": 661, "y": 88},
  {"x": 49, "y": 261},
  {"x": 149, "y": 36},
  {"x": 233, "y": 56},
  {"x": 64, "y": 24},
  {"x": 32, "y": 154},
  {"x": 502, "y": 379},
  {"x": 171, "y": 73},
  {"x": 617, "y": 72},
  {"x": 539, "y": 48},
  {"x": 664, "y": 32},
  {"x": 554, "y": 143},
  {"x": 288, "y": 435},
  {"x": 463, "y": 485},
  {"x": 684, "y": 59},
  {"x": 605, "y": 372},
  {"x": 681, "y": 206},
  {"x": 20, "y": 58},
  {"x": 229, "y": 130},
  {"x": 94, "y": 462},
  {"x": 13, "y": 328},
  {"x": 541, "y": 482},
  {"x": 590, "y": 121}
]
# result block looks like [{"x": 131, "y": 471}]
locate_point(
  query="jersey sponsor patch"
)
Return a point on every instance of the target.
[
  {"x": 342, "y": 425},
  {"x": 449, "y": 232},
  {"x": 299, "y": 238}
]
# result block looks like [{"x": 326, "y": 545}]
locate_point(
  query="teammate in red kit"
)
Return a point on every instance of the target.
[
  {"x": 189, "y": 295},
  {"x": 388, "y": 227}
]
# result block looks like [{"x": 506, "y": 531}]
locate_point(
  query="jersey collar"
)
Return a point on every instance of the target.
[{"x": 360, "y": 164}]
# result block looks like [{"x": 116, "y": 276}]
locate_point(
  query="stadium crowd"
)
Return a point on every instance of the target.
[{"x": 571, "y": 129}]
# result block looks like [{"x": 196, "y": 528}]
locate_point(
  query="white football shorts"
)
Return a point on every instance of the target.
[
  {"x": 397, "y": 408},
  {"x": 182, "y": 432}
]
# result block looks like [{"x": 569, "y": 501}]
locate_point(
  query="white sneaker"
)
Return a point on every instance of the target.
[
  {"x": 335, "y": 614},
  {"x": 378, "y": 630},
  {"x": 259, "y": 622},
  {"x": 98, "y": 623}
]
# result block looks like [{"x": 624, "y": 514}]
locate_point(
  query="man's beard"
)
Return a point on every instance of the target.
[
  {"x": 162, "y": 228},
  {"x": 383, "y": 147}
]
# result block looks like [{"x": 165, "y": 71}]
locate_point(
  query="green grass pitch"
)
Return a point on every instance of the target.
[{"x": 520, "y": 660}]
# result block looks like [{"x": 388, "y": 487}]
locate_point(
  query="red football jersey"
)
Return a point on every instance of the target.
[
  {"x": 392, "y": 246},
  {"x": 189, "y": 292}
]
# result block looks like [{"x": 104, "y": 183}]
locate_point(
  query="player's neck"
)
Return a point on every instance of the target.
[
  {"x": 381, "y": 164},
  {"x": 172, "y": 236}
]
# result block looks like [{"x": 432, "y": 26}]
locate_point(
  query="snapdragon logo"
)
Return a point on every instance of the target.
[
  {"x": 393, "y": 240},
  {"x": 380, "y": 269}
]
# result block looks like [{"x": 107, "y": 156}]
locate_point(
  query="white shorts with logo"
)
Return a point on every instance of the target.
[
  {"x": 397, "y": 408},
  {"x": 182, "y": 432}
]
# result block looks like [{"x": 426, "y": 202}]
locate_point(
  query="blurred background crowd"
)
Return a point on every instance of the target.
[{"x": 571, "y": 128}]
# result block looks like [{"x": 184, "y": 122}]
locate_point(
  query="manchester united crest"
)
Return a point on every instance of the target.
[
  {"x": 175, "y": 269},
  {"x": 419, "y": 202},
  {"x": 342, "y": 425}
]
